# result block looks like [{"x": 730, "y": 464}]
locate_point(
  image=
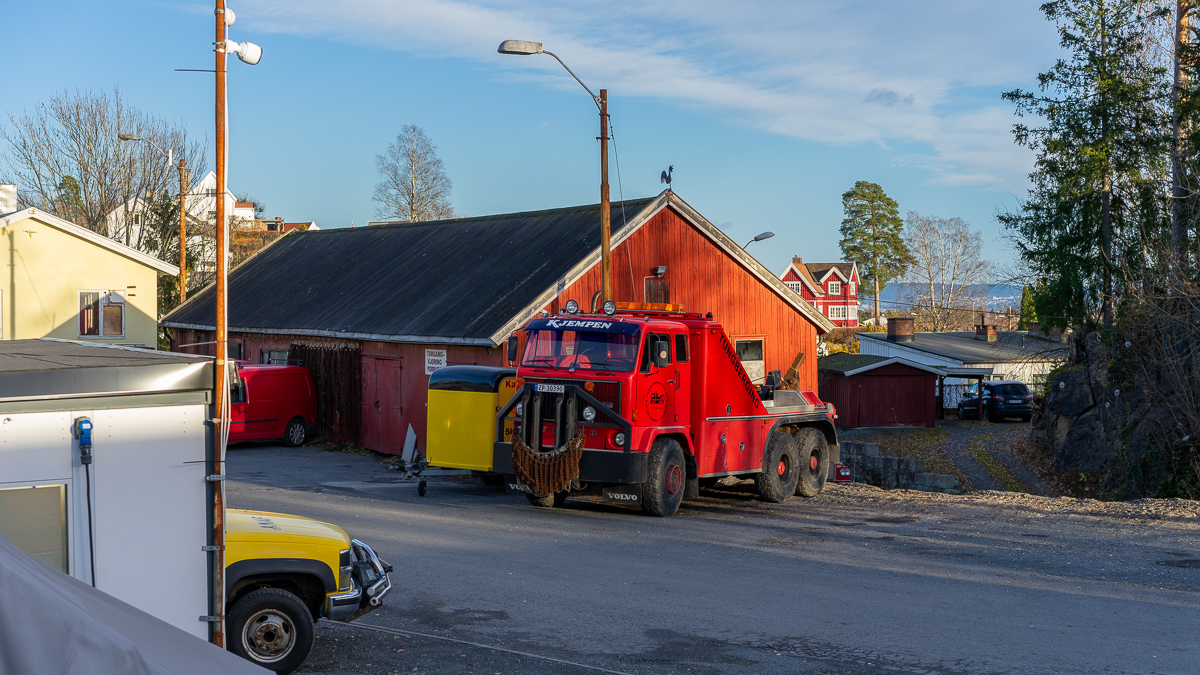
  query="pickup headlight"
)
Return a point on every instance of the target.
[{"x": 344, "y": 569}]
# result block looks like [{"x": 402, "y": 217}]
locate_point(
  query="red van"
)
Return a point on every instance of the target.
[{"x": 272, "y": 402}]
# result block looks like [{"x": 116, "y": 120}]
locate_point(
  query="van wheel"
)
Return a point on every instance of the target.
[
  {"x": 781, "y": 469},
  {"x": 814, "y": 462},
  {"x": 296, "y": 433},
  {"x": 272, "y": 628},
  {"x": 665, "y": 476}
]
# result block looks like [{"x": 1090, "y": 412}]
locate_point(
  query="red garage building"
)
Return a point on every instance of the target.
[
  {"x": 372, "y": 311},
  {"x": 879, "y": 391}
]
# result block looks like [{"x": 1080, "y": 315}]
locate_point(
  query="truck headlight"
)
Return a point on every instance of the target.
[
  {"x": 619, "y": 439},
  {"x": 589, "y": 413},
  {"x": 344, "y": 570},
  {"x": 520, "y": 410}
]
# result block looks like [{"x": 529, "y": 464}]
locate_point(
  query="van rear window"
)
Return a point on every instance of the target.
[{"x": 1014, "y": 390}]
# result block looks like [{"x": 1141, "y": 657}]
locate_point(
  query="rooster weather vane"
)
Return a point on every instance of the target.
[{"x": 666, "y": 176}]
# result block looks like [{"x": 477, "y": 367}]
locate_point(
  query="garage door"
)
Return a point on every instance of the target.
[{"x": 893, "y": 401}]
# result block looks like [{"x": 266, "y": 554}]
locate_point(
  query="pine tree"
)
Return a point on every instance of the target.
[
  {"x": 1095, "y": 201},
  {"x": 871, "y": 236}
]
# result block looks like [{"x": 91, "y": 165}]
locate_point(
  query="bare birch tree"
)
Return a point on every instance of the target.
[
  {"x": 66, "y": 159},
  {"x": 414, "y": 186},
  {"x": 947, "y": 275}
]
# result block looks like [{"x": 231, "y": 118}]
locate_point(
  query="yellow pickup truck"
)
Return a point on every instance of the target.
[{"x": 284, "y": 572}]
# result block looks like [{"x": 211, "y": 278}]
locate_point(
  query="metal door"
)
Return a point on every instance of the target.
[{"x": 656, "y": 393}]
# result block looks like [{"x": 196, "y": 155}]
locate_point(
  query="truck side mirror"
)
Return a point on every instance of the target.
[
  {"x": 512, "y": 348},
  {"x": 662, "y": 353}
]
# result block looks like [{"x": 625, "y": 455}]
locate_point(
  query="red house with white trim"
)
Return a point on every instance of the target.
[{"x": 830, "y": 287}]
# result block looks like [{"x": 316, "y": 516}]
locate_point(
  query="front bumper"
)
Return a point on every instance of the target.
[
  {"x": 369, "y": 583},
  {"x": 595, "y": 466}
]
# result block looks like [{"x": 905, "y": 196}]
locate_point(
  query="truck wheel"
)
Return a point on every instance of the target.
[
  {"x": 295, "y": 433},
  {"x": 272, "y": 628},
  {"x": 814, "y": 462},
  {"x": 665, "y": 475},
  {"x": 781, "y": 468},
  {"x": 549, "y": 501}
]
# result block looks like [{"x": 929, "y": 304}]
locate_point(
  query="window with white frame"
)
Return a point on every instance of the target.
[
  {"x": 101, "y": 314},
  {"x": 853, "y": 289},
  {"x": 794, "y": 285},
  {"x": 137, "y": 220},
  {"x": 275, "y": 356},
  {"x": 837, "y": 311},
  {"x": 835, "y": 288}
]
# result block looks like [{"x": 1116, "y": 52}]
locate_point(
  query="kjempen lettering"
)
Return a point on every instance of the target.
[{"x": 575, "y": 323}]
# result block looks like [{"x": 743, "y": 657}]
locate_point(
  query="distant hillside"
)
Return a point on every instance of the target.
[{"x": 895, "y": 296}]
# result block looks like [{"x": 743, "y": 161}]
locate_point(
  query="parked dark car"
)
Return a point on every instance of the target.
[{"x": 1001, "y": 398}]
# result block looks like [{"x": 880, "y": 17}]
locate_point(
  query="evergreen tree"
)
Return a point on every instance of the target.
[
  {"x": 1096, "y": 201},
  {"x": 1028, "y": 309},
  {"x": 871, "y": 237}
]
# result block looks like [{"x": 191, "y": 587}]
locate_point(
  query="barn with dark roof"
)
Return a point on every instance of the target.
[{"x": 373, "y": 310}]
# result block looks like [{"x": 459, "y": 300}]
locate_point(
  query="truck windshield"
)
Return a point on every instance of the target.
[{"x": 582, "y": 350}]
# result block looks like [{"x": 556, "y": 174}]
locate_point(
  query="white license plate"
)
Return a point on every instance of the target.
[
  {"x": 550, "y": 388},
  {"x": 1016, "y": 400}
]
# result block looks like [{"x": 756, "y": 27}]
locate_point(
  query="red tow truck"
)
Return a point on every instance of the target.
[{"x": 664, "y": 407}]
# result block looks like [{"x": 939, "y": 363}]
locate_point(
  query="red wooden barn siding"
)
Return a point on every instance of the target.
[
  {"x": 894, "y": 395},
  {"x": 396, "y": 389},
  {"x": 704, "y": 279}
]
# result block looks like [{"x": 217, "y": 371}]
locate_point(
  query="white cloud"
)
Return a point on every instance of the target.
[{"x": 829, "y": 71}]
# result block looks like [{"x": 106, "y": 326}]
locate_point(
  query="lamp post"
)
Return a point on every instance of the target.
[
  {"x": 182, "y": 208},
  {"x": 764, "y": 235},
  {"x": 248, "y": 53},
  {"x": 526, "y": 48}
]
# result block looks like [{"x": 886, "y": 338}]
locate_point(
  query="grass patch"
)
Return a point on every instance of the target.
[{"x": 995, "y": 468}]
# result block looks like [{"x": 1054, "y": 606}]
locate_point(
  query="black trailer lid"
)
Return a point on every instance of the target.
[{"x": 470, "y": 378}]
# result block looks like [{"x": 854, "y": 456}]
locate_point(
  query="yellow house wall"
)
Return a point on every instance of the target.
[{"x": 45, "y": 268}]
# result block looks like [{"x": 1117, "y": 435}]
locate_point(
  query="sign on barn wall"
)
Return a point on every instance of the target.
[{"x": 434, "y": 359}]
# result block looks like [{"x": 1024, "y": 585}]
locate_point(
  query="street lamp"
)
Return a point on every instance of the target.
[
  {"x": 170, "y": 153},
  {"x": 527, "y": 48},
  {"x": 249, "y": 53},
  {"x": 764, "y": 235}
]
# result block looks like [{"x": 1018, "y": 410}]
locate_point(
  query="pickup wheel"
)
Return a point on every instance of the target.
[
  {"x": 665, "y": 476},
  {"x": 781, "y": 468},
  {"x": 295, "y": 433},
  {"x": 814, "y": 462},
  {"x": 272, "y": 628}
]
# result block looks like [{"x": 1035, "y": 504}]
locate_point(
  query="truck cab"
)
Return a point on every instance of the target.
[{"x": 663, "y": 405}]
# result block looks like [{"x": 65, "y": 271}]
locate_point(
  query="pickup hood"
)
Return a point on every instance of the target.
[{"x": 255, "y": 526}]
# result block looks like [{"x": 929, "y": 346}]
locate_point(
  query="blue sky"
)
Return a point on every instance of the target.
[{"x": 768, "y": 110}]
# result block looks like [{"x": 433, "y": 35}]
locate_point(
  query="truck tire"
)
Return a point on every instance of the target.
[
  {"x": 295, "y": 434},
  {"x": 781, "y": 468},
  {"x": 549, "y": 501},
  {"x": 814, "y": 462},
  {"x": 272, "y": 628},
  {"x": 665, "y": 475}
]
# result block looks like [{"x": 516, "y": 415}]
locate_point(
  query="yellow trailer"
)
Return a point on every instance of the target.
[{"x": 463, "y": 401}]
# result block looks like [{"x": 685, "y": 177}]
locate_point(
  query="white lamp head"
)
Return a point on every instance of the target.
[
  {"x": 248, "y": 52},
  {"x": 521, "y": 47},
  {"x": 230, "y": 17}
]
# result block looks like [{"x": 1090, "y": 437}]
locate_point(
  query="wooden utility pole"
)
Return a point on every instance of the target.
[
  {"x": 182, "y": 231},
  {"x": 605, "y": 222},
  {"x": 1179, "y": 211},
  {"x": 220, "y": 390}
]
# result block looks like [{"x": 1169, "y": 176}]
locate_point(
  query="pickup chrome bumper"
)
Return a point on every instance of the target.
[{"x": 369, "y": 583}]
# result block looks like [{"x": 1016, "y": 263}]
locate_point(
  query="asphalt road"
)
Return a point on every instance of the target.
[{"x": 853, "y": 581}]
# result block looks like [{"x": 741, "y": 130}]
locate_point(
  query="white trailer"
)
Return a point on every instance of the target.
[{"x": 131, "y": 514}]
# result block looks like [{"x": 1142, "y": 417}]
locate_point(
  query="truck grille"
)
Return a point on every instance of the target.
[{"x": 608, "y": 393}]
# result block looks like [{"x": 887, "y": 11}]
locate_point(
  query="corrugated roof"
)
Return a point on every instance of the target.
[
  {"x": 962, "y": 346},
  {"x": 457, "y": 280}
]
